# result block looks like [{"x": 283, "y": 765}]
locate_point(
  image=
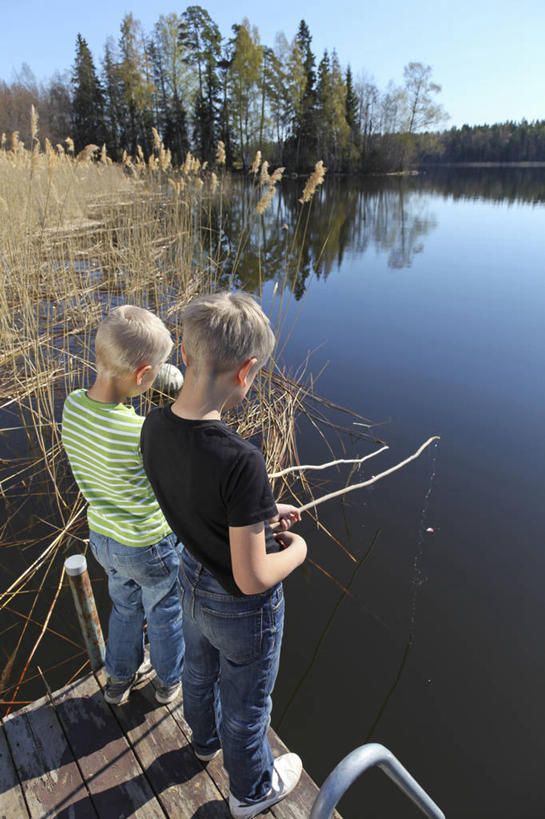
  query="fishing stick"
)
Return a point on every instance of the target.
[{"x": 276, "y": 526}]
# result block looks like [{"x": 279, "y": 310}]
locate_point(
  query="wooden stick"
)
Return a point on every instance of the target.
[
  {"x": 325, "y": 466},
  {"x": 276, "y": 526}
]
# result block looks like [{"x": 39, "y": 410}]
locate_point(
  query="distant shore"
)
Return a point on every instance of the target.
[{"x": 425, "y": 165}]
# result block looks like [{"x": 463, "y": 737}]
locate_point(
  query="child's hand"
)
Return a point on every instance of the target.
[
  {"x": 287, "y": 516},
  {"x": 289, "y": 540}
]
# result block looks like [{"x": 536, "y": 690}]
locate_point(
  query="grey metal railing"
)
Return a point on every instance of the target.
[{"x": 353, "y": 765}]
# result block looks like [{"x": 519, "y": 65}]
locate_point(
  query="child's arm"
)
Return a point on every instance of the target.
[{"x": 256, "y": 571}]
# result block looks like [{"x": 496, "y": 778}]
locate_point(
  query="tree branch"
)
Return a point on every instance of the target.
[
  {"x": 374, "y": 479},
  {"x": 325, "y": 466}
]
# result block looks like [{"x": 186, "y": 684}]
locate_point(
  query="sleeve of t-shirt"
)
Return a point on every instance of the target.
[{"x": 248, "y": 494}]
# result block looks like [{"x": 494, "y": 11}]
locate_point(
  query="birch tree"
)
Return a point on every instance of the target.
[
  {"x": 245, "y": 74},
  {"x": 174, "y": 87}
]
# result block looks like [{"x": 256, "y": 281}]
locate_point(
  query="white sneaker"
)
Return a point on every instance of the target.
[
  {"x": 207, "y": 757},
  {"x": 286, "y": 772},
  {"x": 166, "y": 693}
]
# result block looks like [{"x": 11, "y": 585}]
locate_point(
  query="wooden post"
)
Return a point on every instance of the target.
[{"x": 84, "y": 601}]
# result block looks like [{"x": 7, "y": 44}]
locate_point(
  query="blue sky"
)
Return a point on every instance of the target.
[{"x": 487, "y": 55}]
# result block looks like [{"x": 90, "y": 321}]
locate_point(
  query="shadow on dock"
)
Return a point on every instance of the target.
[{"x": 71, "y": 755}]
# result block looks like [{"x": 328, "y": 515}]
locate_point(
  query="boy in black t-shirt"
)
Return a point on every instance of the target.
[{"x": 214, "y": 491}]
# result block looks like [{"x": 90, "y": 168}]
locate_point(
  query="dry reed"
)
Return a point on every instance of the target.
[{"x": 79, "y": 235}]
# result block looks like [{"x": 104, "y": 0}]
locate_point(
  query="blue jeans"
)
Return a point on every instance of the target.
[
  {"x": 231, "y": 662},
  {"x": 143, "y": 585}
]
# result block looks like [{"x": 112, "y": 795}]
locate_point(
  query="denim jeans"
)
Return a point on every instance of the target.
[
  {"x": 231, "y": 663},
  {"x": 143, "y": 585}
]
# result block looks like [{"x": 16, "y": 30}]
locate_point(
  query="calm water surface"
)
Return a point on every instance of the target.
[{"x": 429, "y": 310}]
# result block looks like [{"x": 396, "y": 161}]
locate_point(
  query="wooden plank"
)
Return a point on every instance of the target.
[
  {"x": 12, "y": 802},
  {"x": 118, "y": 786},
  {"x": 182, "y": 784},
  {"x": 51, "y": 781},
  {"x": 295, "y": 806}
]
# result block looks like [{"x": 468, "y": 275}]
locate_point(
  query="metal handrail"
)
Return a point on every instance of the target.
[{"x": 353, "y": 765}]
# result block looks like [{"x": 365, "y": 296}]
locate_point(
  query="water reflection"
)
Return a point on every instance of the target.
[
  {"x": 387, "y": 216},
  {"x": 390, "y": 215},
  {"x": 524, "y": 184}
]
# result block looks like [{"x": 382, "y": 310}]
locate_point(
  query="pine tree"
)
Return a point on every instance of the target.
[
  {"x": 351, "y": 105},
  {"x": 324, "y": 112},
  {"x": 200, "y": 38},
  {"x": 87, "y": 100},
  {"x": 354, "y": 147},
  {"x": 114, "y": 109},
  {"x": 305, "y": 123}
]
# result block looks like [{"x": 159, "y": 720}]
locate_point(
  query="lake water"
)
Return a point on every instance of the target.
[{"x": 427, "y": 305}]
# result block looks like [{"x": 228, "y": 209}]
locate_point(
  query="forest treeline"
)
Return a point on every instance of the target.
[
  {"x": 197, "y": 87},
  {"x": 502, "y": 142}
]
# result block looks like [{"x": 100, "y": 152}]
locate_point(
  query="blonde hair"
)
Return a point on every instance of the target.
[
  {"x": 226, "y": 329},
  {"x": 128, "y": 338}
]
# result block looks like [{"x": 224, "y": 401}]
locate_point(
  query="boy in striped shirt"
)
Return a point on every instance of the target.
[{"x": 128, "y": 534}]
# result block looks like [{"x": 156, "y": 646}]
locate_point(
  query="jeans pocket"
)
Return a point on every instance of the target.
[
  {"x": 98, "y": 545},
  {"x": 237, "y": 635},
  {"x": 147, "y": 565}
]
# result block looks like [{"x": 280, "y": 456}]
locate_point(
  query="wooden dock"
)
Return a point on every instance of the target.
[{"x": 71, "y": 755}]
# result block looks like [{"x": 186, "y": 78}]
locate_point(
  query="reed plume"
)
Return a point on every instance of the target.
[
  {"x": 316, "y": 178},
  {"x": 34, "y": 117},
  {"x": 87, "y": 153},
  {"x": 265, "y": 200},
  {"x": 256, "y": 163},
  {"x": 276, "y": 176},
  {"x": 264, "y": 178}
]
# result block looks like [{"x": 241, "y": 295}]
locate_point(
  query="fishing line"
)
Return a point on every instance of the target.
[{"x": 418, "y": 578}]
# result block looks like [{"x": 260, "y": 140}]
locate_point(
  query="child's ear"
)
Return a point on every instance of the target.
[
  {"x": 244, "y": 370},
  {"x": 141, "y": 372},
  {"x": 184, "y": 355}
]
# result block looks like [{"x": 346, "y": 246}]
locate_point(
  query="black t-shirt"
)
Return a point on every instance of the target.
[{"x": 206, "y": 478}]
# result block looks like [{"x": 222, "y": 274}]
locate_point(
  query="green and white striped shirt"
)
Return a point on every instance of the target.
[{"x": 102, "y": 442}]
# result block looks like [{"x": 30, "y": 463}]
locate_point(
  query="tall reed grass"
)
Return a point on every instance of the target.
[{"x": 79, "y": 235}]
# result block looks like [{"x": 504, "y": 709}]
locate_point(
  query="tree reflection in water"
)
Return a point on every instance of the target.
[{"x": 389, "y": 214}]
